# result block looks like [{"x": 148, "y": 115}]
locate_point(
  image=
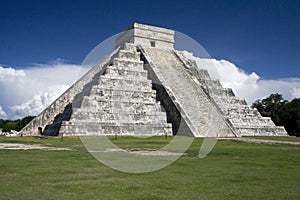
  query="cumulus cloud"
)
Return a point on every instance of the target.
[
  {"x": 10, "y": 73},
  {"x": 39, "y": 102},
  {"x": 27, "y": 91},
  {"x": 3, "y": 115},
  {"x": 247, "y": 85},
  {"x": 296, "y": 92}
]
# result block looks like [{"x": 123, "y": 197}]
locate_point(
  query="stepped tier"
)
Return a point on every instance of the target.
[
  {"x": 92, "y": 128},
  {"x": 246, "y": 121},
  {"x": 121, "y": 101}
]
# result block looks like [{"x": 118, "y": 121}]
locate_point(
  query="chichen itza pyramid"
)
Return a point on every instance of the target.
[{"x": 146, "y": 87}]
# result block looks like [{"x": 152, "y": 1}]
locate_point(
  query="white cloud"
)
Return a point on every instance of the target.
[
  {"x": 10, "y": 73},
  {"x": 3, "y": 115},
  {"x": 250, "y": 86},
  {"x": 39, "y": 102},
  {"x": 296, "y": 92},
  {"x": 29, "y": 90}
]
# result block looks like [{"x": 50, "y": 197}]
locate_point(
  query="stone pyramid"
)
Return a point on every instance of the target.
[{"x": 146, "y": 87}]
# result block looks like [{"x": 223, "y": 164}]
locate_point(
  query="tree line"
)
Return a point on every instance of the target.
[
  {"x": 281, "y": 111},
  {"x": 17, "y": 125}
]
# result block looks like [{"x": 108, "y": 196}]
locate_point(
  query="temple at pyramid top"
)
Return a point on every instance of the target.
[
  {"x": 146, "y": 87},
  {"x": 147, "y": 36}
]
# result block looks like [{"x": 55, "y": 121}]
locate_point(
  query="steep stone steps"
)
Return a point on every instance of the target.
[
  {"x": 245, "y": 120},
  {"x": 192, "y": 101},
  {"x": 121, "y": 102}
]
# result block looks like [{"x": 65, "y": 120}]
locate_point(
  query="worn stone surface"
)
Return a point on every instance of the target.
[
  {"x": 148, "y": 36},
  {"x": 120, "y": 101},
  {"x": 195, "y": 107},
  {"x": 246, "y": 121},
  {"x": 146, "y": 87}
]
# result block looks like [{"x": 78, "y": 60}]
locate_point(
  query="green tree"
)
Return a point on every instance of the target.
[
  {"x": 291, "y": 117},
  {"x": 271, "y": 107},
  {"x": 8, "y": 125},
  {"x": 282, "y": 112}
]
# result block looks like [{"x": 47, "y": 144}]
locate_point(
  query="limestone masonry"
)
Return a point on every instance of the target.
[{"x": 146, "y": 87}]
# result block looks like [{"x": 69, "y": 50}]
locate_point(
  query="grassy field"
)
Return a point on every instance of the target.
[
  {"x": 233, "y": 170},
  {"x": 290, "y": 138}
]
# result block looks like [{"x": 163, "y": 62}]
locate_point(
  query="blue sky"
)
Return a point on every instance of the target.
[
  {"x": 256, "y": 44},
  {"x": 260, "y": 36}
]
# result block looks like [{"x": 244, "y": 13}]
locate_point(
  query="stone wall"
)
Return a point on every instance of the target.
[{"x": 148, "y": 36}]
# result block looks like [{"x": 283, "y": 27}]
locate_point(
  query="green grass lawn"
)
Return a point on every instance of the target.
[
  {"x": 233, "y": 170},
  {"x": 290, "y": 138}
]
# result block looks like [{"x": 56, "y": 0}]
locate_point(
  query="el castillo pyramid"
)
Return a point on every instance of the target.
[{"x": 146, "y": 87}]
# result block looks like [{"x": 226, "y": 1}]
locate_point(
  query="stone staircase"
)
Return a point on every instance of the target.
[
  {"x": 245, "y": 120},
  {"x": 121, "y": 102},
  {"x": 194, "y": 105}
]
